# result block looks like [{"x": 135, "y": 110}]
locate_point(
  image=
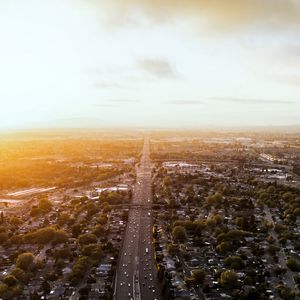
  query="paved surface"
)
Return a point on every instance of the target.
[
  {"x": 136, "y": 276},
  {"x": 288, "y": 276}
]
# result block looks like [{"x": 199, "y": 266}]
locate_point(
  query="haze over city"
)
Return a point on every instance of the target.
[
  {"x": 192, "y": 64},
  {"x": 149, "y": 150}
]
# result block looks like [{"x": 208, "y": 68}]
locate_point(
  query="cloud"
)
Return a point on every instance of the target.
[
  {"x": 125, "y": 100},
  {"x": 293, "y": 79},
  {"x": 73, "y": 122},
  {"x": 106, "y": 85},
  {"x": 104, "y": 105},
  {"x": 183, "y": 102},
  {"x": 157, "y": 67},
  {"x": 115, "y": 102},
  {"x": 225, "y": 13},
  {"x": 251, "y": 101},
  {"x": 294, "y": 50}
]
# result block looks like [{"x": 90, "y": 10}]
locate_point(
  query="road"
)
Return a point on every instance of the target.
[
  {"x": 288, "y": 276},
  {"x": 136, "y": 276}
]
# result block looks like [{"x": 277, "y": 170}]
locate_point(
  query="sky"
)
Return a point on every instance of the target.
[{"x": 149, "y": 63}]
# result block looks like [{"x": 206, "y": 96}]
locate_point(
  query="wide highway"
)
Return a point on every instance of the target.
[{"x": 136, "y": 276}]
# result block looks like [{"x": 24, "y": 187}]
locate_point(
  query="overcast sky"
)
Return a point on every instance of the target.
[{"x": 149, "y": 63}]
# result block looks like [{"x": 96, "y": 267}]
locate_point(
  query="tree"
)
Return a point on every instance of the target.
[
  {"x": 3, "y": 289},
  {"x": 214, "y": 199},
  {"x": 10, "y": 292},
  {"x": 288, "y": 196},
  {"x": 293, "y": 265},
  {"x": 99, "y": 230},
  {"x": 271, "y": 189},
  {"x": 224, "y": 247},
  {"x": 179, "y": 233},
  {"x": 297, "y": 212},
  {"x": 25, "y": 261},
  {"x": 87, "y": 238},
  {"x": 229, "y": 278},
  {"x": 45, "y": 205},
  {"x": 102, "y": 219},
  {"x": 107, "y": 208},
  {"x": 20, "y": 275},
  {"x": 1, "y": 217},
  {"x": 35, "y": 211},
  {"x": 250, "y": 294},
  {"x": 16, "y": 239},
  {"x": 15, "y": 221},
  {"x": 34, "y": 296},
  {"x": 199, "y": 275},
  {"x": 272, "y": 249},
  {"x": 76, "y": 230},
  {"x": 3, "y": 238},
  {"x": 10, "y": 280},
  {"x": 46, "y": 235},
  {"x": 63, "y": 219},
  {"x": 84, "y": 291},
  {"x": 79, "y": 269},
  {"x": 297, "y": 279},
  {"x": 234, "y": 262},
  {"x": 92, "y": 250},
  {"x": 172, "y": 249},
  {"x": 60, "y": 236},
  {"x": 233, "y": 235},
  {"x": 64, "y": 253},
  {"x": 46, "y": 287},
  {"x": 285, "y": 292}
]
